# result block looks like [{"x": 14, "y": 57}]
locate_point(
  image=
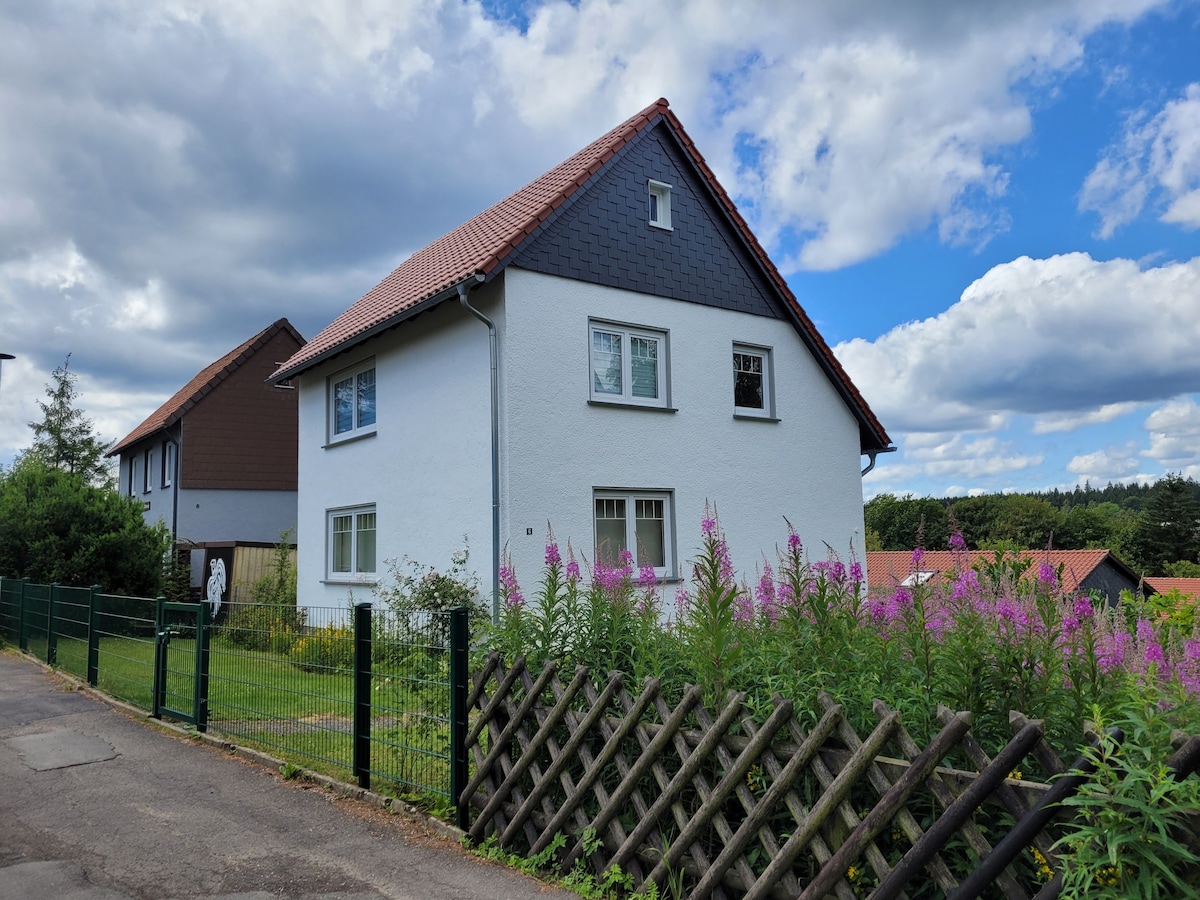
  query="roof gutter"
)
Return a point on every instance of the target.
[
  {"x": 447, "y": 293},
  {"x": 464, "y": 289}
]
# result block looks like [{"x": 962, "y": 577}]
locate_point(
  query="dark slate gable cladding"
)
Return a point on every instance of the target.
[{"x": 603, "y": 237}]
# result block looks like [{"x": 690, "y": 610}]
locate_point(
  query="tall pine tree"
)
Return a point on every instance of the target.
[
  {"x": 64, "y": 439},
  {"x": 1168, "y": 529}
]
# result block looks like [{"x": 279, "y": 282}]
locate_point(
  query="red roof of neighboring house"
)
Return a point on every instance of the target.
[
  {"x": 887, "y": 568},
  {"x": 483, "y": 245},
  {"x": 1189, "y": 587},
  {"x": 207, "y": 379}
]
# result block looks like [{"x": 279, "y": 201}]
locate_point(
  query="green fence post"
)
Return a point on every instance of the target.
[
  {"x": 161, "y": 636},
  {"x": 93, "y": 664},
  {"x": 22, "y": 637},
  {"x": 201, "y": 699},
  {"x": 460, "y": 637},
  {"x": 362, "y": 693},
  {"x": 51, "y": 633}
]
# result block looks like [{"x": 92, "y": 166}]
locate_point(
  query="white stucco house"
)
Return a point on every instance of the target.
[{"x": 604, "y": 350}]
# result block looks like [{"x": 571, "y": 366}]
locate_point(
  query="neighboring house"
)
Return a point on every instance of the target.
[
  {"x": 604, "y": 350},
  {"x": 217, "y": 462},
  {"x": 1082, "y": 570},
  {"x": 1187, "y": 587}
]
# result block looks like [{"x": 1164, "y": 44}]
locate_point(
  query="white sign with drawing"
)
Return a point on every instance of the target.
[{"x": 216, "y": 586}]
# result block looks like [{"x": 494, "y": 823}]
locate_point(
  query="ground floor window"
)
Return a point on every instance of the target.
[
  {"x": 351, "y": 543},
  {"x": 639, "y": 522}
]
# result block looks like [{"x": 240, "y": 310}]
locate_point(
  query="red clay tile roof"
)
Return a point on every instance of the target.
[
  {"x": 192, "y": 392},
  {"x": 887, "y": 568},
  {"x": 1189, "y": 587},
  {"x": 484, "y": 244}
]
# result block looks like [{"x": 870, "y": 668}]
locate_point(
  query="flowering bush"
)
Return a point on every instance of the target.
[{"x": 1001, "y": 637}]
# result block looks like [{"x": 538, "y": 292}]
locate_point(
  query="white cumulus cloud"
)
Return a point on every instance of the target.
[
  {"x": 1157, "y": 157},
  {"x": 1068, "y": 335}
]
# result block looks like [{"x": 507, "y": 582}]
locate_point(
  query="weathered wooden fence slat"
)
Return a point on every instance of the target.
[{"x": 743, "y": 807}]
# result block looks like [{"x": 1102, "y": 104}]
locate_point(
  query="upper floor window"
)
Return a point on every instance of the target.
[
  {"x": 660, "y": 204},
  {"x": 352, "y": 402},
  {"x": 168, "y": 466},
  {"x": 628, "y": 365},
  {"x": 351, "y": 543},
  {"x": 753, "y": 393},
  {"x": 148, "y": 472}
]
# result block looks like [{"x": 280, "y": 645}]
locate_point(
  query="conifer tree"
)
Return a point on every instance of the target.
[{"x": 64, "y": 439}]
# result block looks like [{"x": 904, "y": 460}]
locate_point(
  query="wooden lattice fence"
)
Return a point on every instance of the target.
[{"x": 716, "y": 804}]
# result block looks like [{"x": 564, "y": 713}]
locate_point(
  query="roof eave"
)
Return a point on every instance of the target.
[{"x": 436, "y": 299}]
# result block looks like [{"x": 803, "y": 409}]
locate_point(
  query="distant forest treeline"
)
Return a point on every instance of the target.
[{"x": 1154, "y": 528}]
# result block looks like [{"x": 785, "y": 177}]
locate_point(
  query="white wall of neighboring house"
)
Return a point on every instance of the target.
[
  {"x": 222, "y": 515},
  {"x": 557, "y": 447},
  {"x": 427, "y": 468}
]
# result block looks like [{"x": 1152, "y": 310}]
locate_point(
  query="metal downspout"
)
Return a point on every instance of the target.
[
  {"x": 464, "y": 288},
  {"x": 871, "y": 464}
]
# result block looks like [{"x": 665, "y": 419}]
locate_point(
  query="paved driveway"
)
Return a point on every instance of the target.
[{"x": 96, "y": 805}]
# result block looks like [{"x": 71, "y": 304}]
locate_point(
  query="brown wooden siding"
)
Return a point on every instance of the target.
[{"x": 243, "y": 434}]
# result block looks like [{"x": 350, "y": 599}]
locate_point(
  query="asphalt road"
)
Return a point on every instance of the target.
[{"x": 97, "y": 804}]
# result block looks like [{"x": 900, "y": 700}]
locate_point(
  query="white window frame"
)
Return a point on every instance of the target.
[
  {"x": 630, "y": 496},
  {"x": 148, "y": 471},
  {"x": 627, "y": 334},
  {"x": 353, "y": 575},
  {"x": 658, "y": 204},
  {"x": 168, "y": 466},
  {"x": 133, "y": 468},
  {"x": 357, "y": 429},
  {"x": 768, "y": 381}
]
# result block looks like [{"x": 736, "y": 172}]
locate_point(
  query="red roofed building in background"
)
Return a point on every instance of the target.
[
  {"x": 604, "y": 350},
  {"x": 1082, "y": 570},
  {"x": 217, "y": 461}
]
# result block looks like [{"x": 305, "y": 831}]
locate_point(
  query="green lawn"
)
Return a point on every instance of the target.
[{"x": 264, "y": 700}]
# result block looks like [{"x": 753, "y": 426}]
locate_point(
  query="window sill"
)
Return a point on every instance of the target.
[
  {"x": 660, "y": 226},
  {"x": 351, "y": 582},
  {"x": 349, "y": 439},
  {"x": 751, "y": 417},
  {"x": 621, "y": 404}
]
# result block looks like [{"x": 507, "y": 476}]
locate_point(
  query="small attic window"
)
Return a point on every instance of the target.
[{"x": 660, "y": 204}]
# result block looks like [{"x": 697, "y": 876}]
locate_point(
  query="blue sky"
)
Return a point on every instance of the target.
[{"x": 992, "y": 211}]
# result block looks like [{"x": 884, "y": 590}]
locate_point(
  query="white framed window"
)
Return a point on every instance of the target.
[
  {"x": 352, "y": 402},
  {"x": 628, "y": 364},
  {"x": 637, "y": 521},
  {"x": 168, "y": 466},
  {"x": 133, "y": 461},
  {"x": 351, "y": 543},
  {"x": 753, "y": 381},
  {"x": 660, "y": 204},
  {"x": 148, "y": 472}
]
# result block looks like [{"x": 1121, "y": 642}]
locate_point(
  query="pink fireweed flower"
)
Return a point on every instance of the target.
[
  {"x": 553, "y": 557},
  {"x": 957, "y": 542},
  {"x": 1047, "y": 577},
  {"x": 793, "y": 543},
  {"x": 918, "y": 555},
  {"x": 1110, "y": 652},
  {"x": 572, "y": 564},
  {"x": 708, "y": 525},
  {"x": 625, "y": 563},
  {"x": 1083, "y": 607},
  {"x": 856, "y": 573},
  {"x": 966, "y": 586},
  {"x": 743, "y": 607},
  {"x": 896, "y": 607},
  {"x": 513, "y": 598},
  {"x": 647, "y": 579},
  {"x": 837, "y": 572},
  {"x": 764, "y": 593},
  {"x": 681, "y": 601},
  {"x": 723, "y": 560}
]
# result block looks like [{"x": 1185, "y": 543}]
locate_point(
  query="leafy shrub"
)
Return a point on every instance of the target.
[
  {"x": 412, "y": 595},
  {"x": 324, "y": 649},
  {"x": 271, "y": 621},
  {"x": 1131, "y": 839}
]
